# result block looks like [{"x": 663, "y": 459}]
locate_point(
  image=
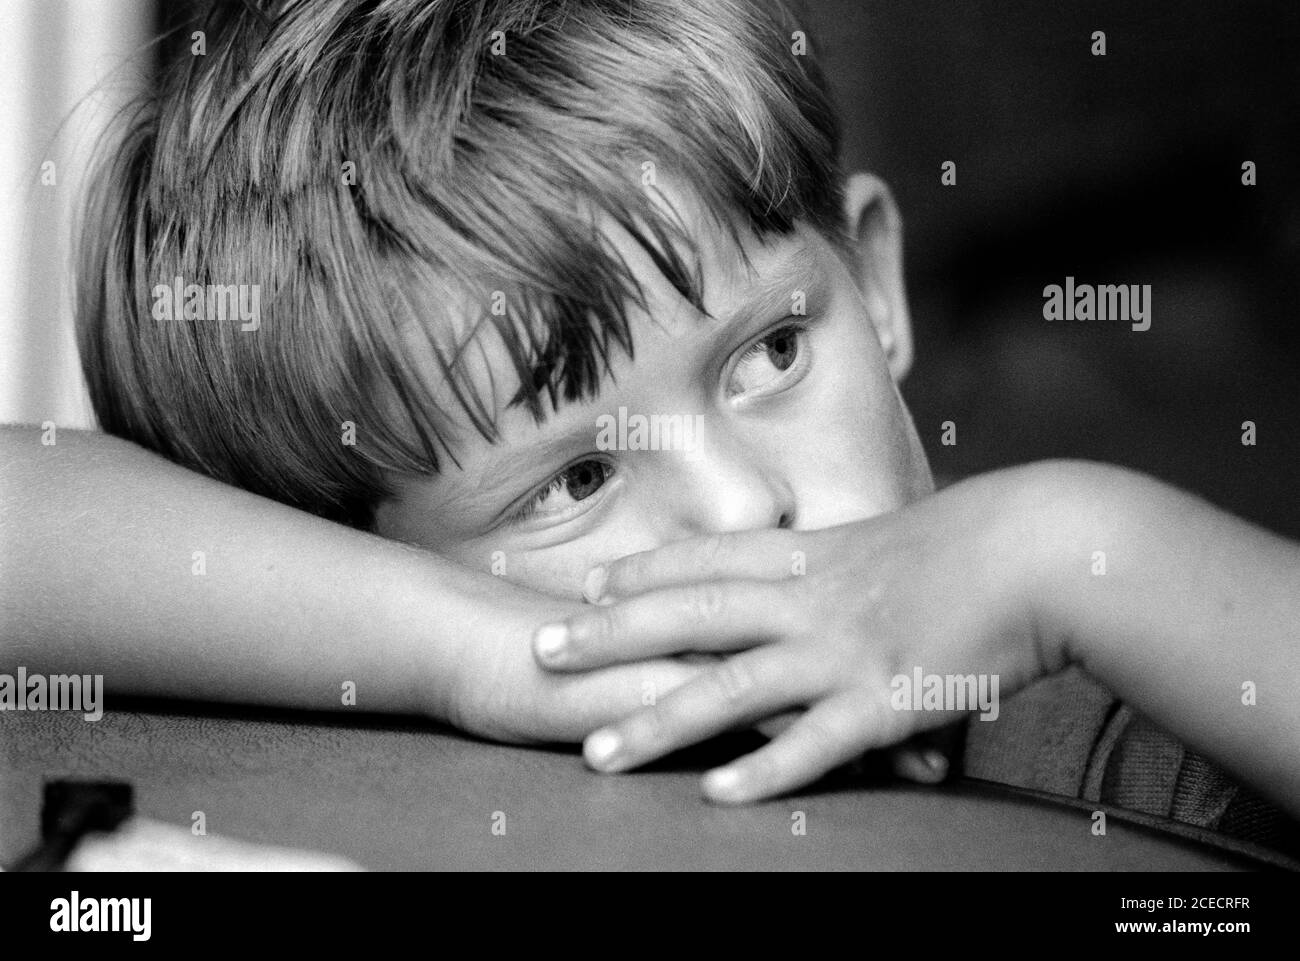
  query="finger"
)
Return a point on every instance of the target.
[
  {"x": 769, "y": 727},
  {"x": 734, "y": 693},
  {"x": 580, "y": 703},
  {"x": 774, "y": 726},
  {"x": 831, "y": 733},
  {"x": 750, "y": 555},
  {"x": 928, "y": 756},
  {"x": 710, "y": 616},
  {"x": 924, "y": 765}
]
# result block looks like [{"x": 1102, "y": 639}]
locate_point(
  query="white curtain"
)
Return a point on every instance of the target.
[{"x": 65, "y": 67}]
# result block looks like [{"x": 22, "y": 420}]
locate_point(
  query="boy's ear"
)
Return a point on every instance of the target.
[{"x": 875, "y": 233}]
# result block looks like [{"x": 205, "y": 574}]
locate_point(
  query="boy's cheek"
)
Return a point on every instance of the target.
[
  {"x": 856, "y": 456},
  {"x": 916, "y": 469},
  {"x": 841, "y": 493},
  {"x": 863, "y": 439}
]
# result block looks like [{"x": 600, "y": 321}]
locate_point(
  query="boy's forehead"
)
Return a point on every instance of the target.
[{"x": 734, "y": 264}]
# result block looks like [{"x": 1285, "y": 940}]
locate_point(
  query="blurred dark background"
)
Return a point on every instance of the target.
[
  {"x": 1123, "y": 168},
  {"x": 1120, "y": 169}
]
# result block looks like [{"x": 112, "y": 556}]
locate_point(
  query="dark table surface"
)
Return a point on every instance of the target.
[{"x": 396, "y": 795}]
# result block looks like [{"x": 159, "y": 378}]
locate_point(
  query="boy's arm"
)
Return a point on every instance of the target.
[
  {"x": 117, "y": 562},
  {"x": 1195, "y": 621}
]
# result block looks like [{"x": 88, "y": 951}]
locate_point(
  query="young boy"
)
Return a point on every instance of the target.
[{"x": 486, "y": 248}]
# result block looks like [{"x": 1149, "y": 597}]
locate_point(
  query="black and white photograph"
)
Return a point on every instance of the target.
[{"x": 649, "y": 436}]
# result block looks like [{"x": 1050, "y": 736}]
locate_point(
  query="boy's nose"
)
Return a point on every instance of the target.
[{"x": 730, "y": 486}]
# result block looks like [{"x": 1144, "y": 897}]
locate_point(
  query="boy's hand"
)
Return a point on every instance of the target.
[
  {"x": 820, "y": 619},
  {"x": 501, "y": 693},
  {"x": 496, "y": 689}
]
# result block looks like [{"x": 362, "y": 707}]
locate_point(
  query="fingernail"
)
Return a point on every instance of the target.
[
  {"x": 722, "y": 781},
  {"x": 594, "y": 585},
  {"x": 551, "y": 641},
  {"x": 936, "y": 761},
  {"x": 601, "y": 747}
]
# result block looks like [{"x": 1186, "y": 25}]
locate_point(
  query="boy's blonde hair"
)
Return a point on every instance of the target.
[{"x": 389, "y": 169}]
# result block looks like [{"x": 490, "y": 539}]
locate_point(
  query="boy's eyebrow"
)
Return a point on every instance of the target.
[{"x": 796, "y": 272}]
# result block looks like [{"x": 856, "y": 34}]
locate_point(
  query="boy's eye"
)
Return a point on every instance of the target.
[
  {"x": 570, "y": 486},
  {"x": 769, "y": 361}
]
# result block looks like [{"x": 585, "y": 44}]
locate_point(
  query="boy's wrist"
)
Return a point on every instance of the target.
[{"x": 476, "y": 668}]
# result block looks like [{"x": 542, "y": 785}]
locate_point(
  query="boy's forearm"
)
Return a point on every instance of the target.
[
  {"x": 114, "y": 561},
  {"x": 1186, "y": 612}
]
